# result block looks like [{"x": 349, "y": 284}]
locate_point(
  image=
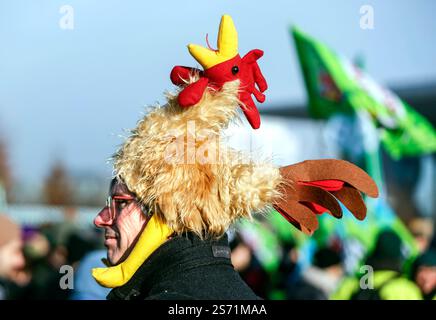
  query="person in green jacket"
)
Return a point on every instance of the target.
[{"x": 383, "y": 279}]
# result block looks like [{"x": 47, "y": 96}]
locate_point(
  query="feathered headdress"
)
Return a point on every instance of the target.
[
  {"x": 176, "y": 163},
  {"x": 178, "y": 166}
]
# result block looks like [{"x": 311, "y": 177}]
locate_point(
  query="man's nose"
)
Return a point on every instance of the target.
[{"x": 103, "y": 218}]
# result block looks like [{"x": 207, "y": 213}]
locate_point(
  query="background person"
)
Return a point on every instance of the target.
[{"x": 12, "y": 259}]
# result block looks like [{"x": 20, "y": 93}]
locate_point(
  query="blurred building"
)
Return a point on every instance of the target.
[
  {"x": 421, "y": 96},
  {"x": 37, "y": 215}
]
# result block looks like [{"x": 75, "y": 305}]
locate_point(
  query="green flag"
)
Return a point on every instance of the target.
[{"x": 335, "y": 85}]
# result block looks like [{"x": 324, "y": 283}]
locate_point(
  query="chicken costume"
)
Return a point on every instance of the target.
[{"x": 176, "y": 163}]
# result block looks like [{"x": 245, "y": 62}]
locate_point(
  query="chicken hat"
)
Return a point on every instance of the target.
[{"x": 177, "y": 164}]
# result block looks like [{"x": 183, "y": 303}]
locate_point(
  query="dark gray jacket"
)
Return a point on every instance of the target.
[{"x": 186, "y": 267}]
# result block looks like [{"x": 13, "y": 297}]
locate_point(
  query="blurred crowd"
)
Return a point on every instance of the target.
[
  {"x": 384, "y": 273},
  {"x": 31, "y": 259}
]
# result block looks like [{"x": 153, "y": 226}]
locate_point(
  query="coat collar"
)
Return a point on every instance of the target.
[{"x": 173, "y": 257}]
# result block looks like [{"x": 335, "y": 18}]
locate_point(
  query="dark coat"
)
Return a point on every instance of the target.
[{"x": 186, "y": 267}]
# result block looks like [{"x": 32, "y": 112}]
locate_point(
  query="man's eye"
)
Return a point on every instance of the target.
[{"x": 121, "y": 204}]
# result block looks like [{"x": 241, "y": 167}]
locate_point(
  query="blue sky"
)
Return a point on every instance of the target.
[{"x": 68, "y": 94}]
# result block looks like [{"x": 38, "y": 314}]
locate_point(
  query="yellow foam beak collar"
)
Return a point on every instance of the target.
[{"x": 153, "y": 236}]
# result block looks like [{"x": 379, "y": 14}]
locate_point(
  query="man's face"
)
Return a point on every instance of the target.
[
  {"x": 426, "y": 278},
  {"x": 122, "y": 223},
  {"x": 11, "y": 258}
]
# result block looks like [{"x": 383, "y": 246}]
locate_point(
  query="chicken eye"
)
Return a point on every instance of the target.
[{"x": 235, "y": 69}]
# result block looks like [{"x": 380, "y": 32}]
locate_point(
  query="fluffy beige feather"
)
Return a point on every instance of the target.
[{"x": 177, "y": 164}]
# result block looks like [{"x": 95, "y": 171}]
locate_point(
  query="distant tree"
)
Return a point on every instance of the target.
[
  {"x": 58, "y": 186},
  {"x": 5, "y": 172}
]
